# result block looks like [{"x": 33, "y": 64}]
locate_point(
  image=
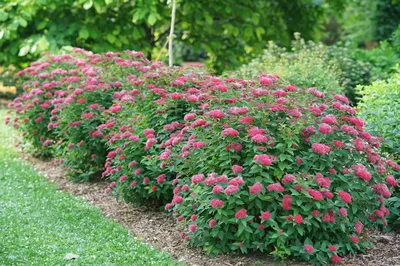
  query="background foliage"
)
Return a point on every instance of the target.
[{"x": 233, "y": 29}]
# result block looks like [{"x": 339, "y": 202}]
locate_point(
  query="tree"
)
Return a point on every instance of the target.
[{"x": 229, "y": 31}]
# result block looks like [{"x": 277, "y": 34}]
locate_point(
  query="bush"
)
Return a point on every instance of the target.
[
  {"x": 246, "y": 164},
  {"x": 328, "y": 68},
  {"x": 267, "y": 173},
  {"x": 380, "y": 107},
  {"x": 64, "y": 100}
]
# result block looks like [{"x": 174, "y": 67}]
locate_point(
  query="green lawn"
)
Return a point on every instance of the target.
[{"x": 40, "y": 226}]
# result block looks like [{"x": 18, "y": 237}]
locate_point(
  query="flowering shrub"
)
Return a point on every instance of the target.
[
  {"x": 280, "y": 170},
  {"x": 64, "y": 103},
  {"x": 244, "y": 165}
]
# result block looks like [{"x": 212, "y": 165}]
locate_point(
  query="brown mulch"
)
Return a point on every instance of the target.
[{"x": 160, "y": 230}]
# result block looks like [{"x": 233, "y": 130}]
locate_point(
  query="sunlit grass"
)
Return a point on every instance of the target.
[{"x": 40, "y": 226}]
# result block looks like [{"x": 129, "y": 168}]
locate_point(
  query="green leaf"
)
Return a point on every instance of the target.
[
  {"x": 88, "y": 4},
  {"x": 84, "y": 33},
  {"x": 1, "y": 34},
  {"x": 24, "y": 50},
  {"x": 111, "y": 38},
  {"x": 3, "y": 15},
  {"x": 152, "y": 19},
  {"x": 43, "y": 43},
  {"x": 22, "y": 22}
]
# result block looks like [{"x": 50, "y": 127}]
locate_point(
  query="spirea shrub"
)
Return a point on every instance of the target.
[
  {"x": 66, "y": 98},
  {"x": 243, "y": 165},
  {"x": 281, "y": 170}
]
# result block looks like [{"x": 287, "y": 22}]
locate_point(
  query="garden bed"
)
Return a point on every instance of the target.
[{"x": 151, "y": 226}]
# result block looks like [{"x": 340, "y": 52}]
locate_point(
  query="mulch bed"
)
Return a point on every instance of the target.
[{"x": 160, "y": 230}]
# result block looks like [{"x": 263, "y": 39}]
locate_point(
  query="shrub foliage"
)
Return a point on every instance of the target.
[{"x": 243, "y": 165}]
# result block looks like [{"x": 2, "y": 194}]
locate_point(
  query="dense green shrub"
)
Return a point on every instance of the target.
[
  {"x": 328, "y": 68},
  {"x": 247, "y": 164},
  {"x": 380, "y": 107}
]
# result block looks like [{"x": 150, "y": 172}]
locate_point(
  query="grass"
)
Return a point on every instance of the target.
[{"x": 40, "y": 226}]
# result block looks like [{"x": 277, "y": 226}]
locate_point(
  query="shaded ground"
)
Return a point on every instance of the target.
[{"x": 152, "y": 226}]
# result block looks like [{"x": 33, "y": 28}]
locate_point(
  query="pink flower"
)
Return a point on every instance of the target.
[
  {"x": 256, "y": 188},
  {"x": 222, "y": 179},
  {"x": 237, "y": 181},
  {"x": 259, "y": 139},
  {"x": 379, "y": 213},
  {"x": 237, "y": 169},
  {"x": 146, "y": 180},
  {"x": 216, "y": 114},
  {"x": 336, "y": 259},
  {"x": 115, "y": 109},
  {"x": 230, "y": 132},
  {"x": 197, "y": 178},
  {"x": 192, "y": 227},
  {"x": 359, "y": 227},
  {"x": 212, "y": 223},
  {"x": 189, "y": 117},
  {"x": 193, "y": 217},
  {"x": 299, "y": 160},
  {"x": 275, "y": 187},
  {"x": 325, "y": 129},
  {"x": 122, "y": 178},
  {"x": 298, "y": 219},
  {"x": 332, "y": 248},
  {"x": 177, "y": 199},
  {"x": 235, "y": 146},
  {"x": 160, "y": 178},
  {"x": 199, "y": 144},
  {"x": 391, "y": 180},
  {"x": 231, "y": 189},
  {"x": 381, "y": 189},
  {"x": 315, "y": 213},
  {"x": 329, "y": 119},
  {"x": 315, "y": 194},
  {"x": 321, "y": 149},
  {"x": 107, "y": 190},
  {"x": 217, "y": 189},
  {"x": 132, "y": 164},
  {"x": 241, "y": 214},
  {"x": 286, "y": 202},
  {"x": 265, "y": 216},
  {"x": 343, "y": 212},
  {"x": 324, "y": 182},
  {"x": 354, "y": 239},
  {"x": 308, "y": 248},
  {"x": 216, "y": 203},
  {"x": 288, "y": 178},
  {"x": 346, "y": 197},
  {"x": 133, "y": 184},
  {"x": 337, "y": 143},
  {"x": 168, "y": 206},
  {"x": 246, "y": 120},
  {"x": 262, "y": 159}
]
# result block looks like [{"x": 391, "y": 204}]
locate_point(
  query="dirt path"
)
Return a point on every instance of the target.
[{"x": 160, "y": 230}]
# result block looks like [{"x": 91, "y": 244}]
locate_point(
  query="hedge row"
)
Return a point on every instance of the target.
[{"x": 243, "y": 165}]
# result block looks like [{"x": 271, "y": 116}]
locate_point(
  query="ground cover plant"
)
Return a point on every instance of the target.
[
  {"x": 47, "y": 225},
  {"x": 243, "y": 165}
]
